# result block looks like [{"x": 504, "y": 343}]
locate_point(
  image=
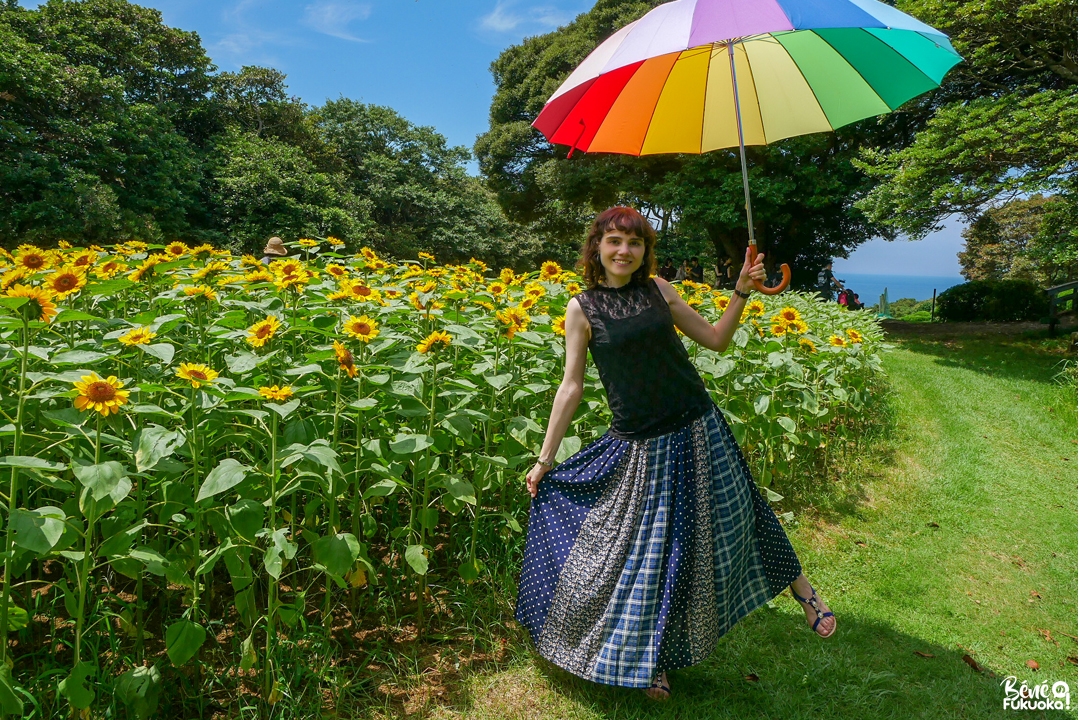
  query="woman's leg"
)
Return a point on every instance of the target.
[{"x": 801, "y": 587}]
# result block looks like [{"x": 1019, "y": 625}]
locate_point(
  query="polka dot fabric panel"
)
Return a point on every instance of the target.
[{"x": 641, "y": 554}]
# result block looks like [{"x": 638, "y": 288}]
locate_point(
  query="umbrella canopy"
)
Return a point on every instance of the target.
[{"x": 663, "y": 84}]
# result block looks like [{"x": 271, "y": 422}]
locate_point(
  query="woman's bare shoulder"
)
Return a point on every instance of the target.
[{"x": 669, "y": 293}]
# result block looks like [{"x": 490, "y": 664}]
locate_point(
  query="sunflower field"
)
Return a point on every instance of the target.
[{"x": 205, "y": 459}]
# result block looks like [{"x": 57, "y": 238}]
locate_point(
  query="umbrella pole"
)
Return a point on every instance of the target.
[{"x": 746, "y": 181}]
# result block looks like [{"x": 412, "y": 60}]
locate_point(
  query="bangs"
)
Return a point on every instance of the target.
[{"x": 627, "y": 220}]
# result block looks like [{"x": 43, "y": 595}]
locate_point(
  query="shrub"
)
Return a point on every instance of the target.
[
  {"x": 918, "y": 316},
  {"x": 995, "y": 300}
]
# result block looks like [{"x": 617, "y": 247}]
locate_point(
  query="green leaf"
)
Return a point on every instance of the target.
[
  {"x": 470, "y": 570},
  {"x": 248, "y": 657},
  {"x": 108, "y": 479},
  {"x": 411, "y": 444},
  {"x": 10, "y": 702},
  {"x": 155, "y": 562},
  {"x": 336, "y": 553},
  {"x": 66, "y": 316},
  {"x": 209, "y": 563},
  {"x": 773, "y": 497},
  {"x": 568, "y": 447},
  {"x": 386, "y": 486},
  {"x": 73, "y": 687},
  {"x": 520, "y": 427},
  {"x": 280, "y": 549},
  {"x": 38, "y": 530},
  {"x": 139, "y": 689},
  {"x": 155, "y": 442},
  {"x": 78, "y": 357},
  {"x": 786, "y": 423},
  {"x": 13, "y": 303},
  {"x": 162, "y": 351},
  {"x": 182, "y": 640},
  {"x": 31, "y": 463},
  {"x": 120, "y": 543},
  {"x": 284, "y": 409},
  {"x": 228, "y": 473},
  {"x": 17, "y": 617},
  {"x": 246, "y": 518},
  {"x": 414, "y": 555},
  {"x": 498, "y": 381},
  {"x": 461, "y": 490},
  {"x": 761, "y": 405},
  {"x": 245, "y": 361}
]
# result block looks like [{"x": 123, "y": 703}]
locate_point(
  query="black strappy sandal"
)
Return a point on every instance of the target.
[
  {"x": 658, "y": 685},
  {"x": 813, "y": 602}
]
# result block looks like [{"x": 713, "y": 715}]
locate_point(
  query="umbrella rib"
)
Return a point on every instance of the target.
[
  {"x": 652, "y": 115},
  {"x": 888, "y": 47}
]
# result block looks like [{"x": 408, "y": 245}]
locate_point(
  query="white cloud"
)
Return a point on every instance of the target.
[
  {"x": 333, "y": 18},
  {"x": 506, "y": 17}
]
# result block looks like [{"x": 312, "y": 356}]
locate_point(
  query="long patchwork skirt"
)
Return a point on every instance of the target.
[{"x": 641, "y": 554}]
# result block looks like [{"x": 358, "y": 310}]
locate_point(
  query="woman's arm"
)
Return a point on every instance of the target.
[
  {"x": 569, "y": 394},
  {"x": 715, "y": 337}
]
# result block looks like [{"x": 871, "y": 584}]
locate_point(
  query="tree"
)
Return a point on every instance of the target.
[
  {"x": 1022, "y": 240},
  {"x": 1002, "y": 126},
  {"x": 803, "y": 189}
]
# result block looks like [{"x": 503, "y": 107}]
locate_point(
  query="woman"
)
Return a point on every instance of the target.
[{"x": 648, "y": 545}]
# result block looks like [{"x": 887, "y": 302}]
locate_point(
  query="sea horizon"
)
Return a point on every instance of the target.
[{"x": 919, "y": 287}]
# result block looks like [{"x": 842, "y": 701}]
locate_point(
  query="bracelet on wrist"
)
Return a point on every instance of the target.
[
  {"x": 743, "y": 295},
  {"x": 545, "y": 463}
]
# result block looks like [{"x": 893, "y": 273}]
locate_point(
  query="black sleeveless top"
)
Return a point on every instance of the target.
[{"x": 652, "y": 387}]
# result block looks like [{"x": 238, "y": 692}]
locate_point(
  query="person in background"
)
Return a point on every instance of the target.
[
  {"x": 856, "y": 305},
  {"x": 667, "y": 271},
  {"x": 825, "y": 282},
  {"x": 273, "y": 250},
  {"x": 683, "y": 272},
  {"x": 725, "y": 274},
  {"x": 697, "y": 272}
]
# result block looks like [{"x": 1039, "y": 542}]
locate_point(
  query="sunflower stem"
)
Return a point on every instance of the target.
[{"x": 13, "y": 491}]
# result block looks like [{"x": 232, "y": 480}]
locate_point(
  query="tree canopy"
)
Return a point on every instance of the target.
[{"x": 116, "y": 126}]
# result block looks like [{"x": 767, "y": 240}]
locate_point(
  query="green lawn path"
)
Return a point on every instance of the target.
[{"x": 959, "y": 536}]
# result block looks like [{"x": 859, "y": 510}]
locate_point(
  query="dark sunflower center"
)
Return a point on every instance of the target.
[
  {"x": 33, "y": 261},
  {"x": 65, "y": 282},
  {"x": 100, "y": 391},
  {"x": 197, "y": 374}
]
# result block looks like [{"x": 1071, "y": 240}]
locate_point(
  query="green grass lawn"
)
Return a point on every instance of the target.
[{"x": 953, "y": 534}]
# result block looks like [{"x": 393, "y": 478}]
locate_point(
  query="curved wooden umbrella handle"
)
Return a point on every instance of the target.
[{"x": 784, "y": 270}]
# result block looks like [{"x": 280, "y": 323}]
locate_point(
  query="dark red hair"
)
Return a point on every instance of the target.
[{"x": 629, "y": 221}]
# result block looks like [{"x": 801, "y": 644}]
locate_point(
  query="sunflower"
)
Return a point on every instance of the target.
[
  {"x": 84, "y": 259},
  {"x": 177, "y": 249},
  {"x": 425, "y": 256},
  {"x": 486, "y": 305},
  {"x": 550, "y": 271},
  {"x": 478, "y": 264},
  {"x": 558, "y": 325},
  {"x": 287, "y": 266},
  {"x": 431, "y": 304},
  {"x": 204, "y": 250},
  {"x": 426, "y": 287},
  {"x": 573, "y": 288},
  {"x": 411, "y": 272},
  {"x": 135, "y": 246},
  {"x": 721, "y": 302},
  {"x": 13, "y": 276},
  {"x": 259, "y": 275},
  {"x": 260, "y": 333},
  {"x": 362, "y": 328},
  {"x": 808, "y": 344},
  {"x": 336, "y": 271},
  {"x": 196, "y": 373},
  {"x": 345, "y": 359},
  {"x": 378, "y": 264},
  {"x": 497, "y": 288},
  {"x": 274, "y": 392},
  {"x": 798, "y": 327},
  {"x": 137, "y": 336},
  {"x": 110, "y": 269},
  {"x": 535, "y": 290},
  {"x": 789, "y": 314},
  {"x": 435, "y": 341},
  {"x": 33, "y": 258},
  {"x": 368, "y": 254},
  {"x": 335, "y": 242},
  {"x": 215, "y": 267},
  {"x": 103, "y": 395},
  {"x": 527, "y": 302},
  {"x": 506, "y": 275},
  {"x": 63, "y": 245},
  {"x": 200, "y": 291},
  {"x": 296, "y": 281},
  {"x": 40, "y": 306},
  {"x": 756, "y": 307},
  {"x": 778, "y": 330},
  {"x": 854, "y": 335},
  {"x": 837, "y": 341},
  {"x": 307, "y": 243},
  {"x": 250, "y": 261},
  {"x": 514, "y": 318},
  {"x": 146, "y": 270}
]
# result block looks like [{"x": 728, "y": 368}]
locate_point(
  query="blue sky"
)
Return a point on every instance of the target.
[{"x": 429, "y": 59}]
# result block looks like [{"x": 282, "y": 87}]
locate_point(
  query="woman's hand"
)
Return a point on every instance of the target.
[
  {"x": 752, "y": 269},
  {"x": 532, "y": 480}
]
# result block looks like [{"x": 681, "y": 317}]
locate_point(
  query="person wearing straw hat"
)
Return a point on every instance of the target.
[{"x": 274, "y": 249}]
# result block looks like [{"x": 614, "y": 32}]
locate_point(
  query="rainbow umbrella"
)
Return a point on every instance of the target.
[{"x": 698, "y": 75}]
